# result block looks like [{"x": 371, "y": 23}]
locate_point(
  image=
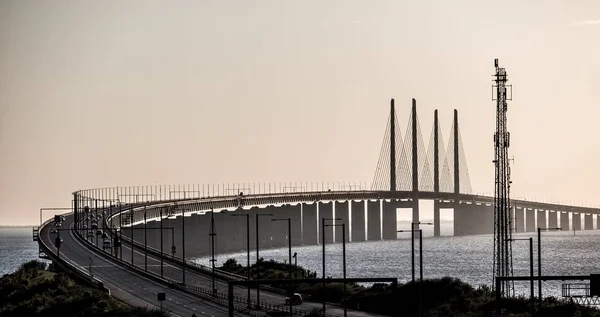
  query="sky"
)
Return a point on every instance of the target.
[{"x": 117, "y": 93}]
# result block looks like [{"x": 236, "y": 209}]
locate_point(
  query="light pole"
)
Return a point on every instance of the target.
[
  {"x": 295, "y": 256},
  {"x": 145, "y": 242},
  {"x": 289, "y": 222},
  {"x": 420, "y": 261},
  {"x": 343, "y": 260},
  {"x": 530, "y": 270},
  {"x": 539, "y": 232},
  {"x": 412, "y": 245},
  {"x": 323, "y": 243},
  {"x": 247, "y": 215},
  {"x": 212, "y": 235},
  {"x": 258, "y": 261}
]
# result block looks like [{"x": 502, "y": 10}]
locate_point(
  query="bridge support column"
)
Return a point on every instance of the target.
[
  {"x": 281, "y": 231},
  {"x": 552, "y": 219},
  {"x": 519, "y": 220},
  {"x": 486, "y": 219},
  {"x": 390, "y": 225},
  {"x": 530, "y": 220},
  {"x": 576, "y": 221},
  {"x": 326, "y": 211},
  {"x": 589, "y": 222},
  {"x": 309, "y": 224},
  {"x": 358, "y": 221},
  {"x": 373, "y": 220},
  {"x": 436, "y": 218},
  {"x": 541, "y": 219},
  {"x": 463, "y": 216},
  {"x": 342, "y": 212},
  {"x": 196, "y": 236},
  {"x": 564, "y": 221}
]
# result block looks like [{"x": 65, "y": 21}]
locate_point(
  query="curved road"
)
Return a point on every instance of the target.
[{"x": 124, "y": 284}]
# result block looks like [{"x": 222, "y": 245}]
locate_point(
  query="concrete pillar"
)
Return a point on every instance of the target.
[
  {"x": 294, "y": 213},
  {"x": 436, "y": 216},
  {"x": 373, "y": 220},
  {"x": 390, "y": 225},
  {"x": 564, "y": 221},
  {"x": 267, "y": 228},
  {"x": 309, "y": 224},
  {"x": 519, "y": 220},
  {"x": 358, "y": 221},
  {"x": 221, "y": 239},
  {"x": 589, "y": 222},
  {"x": 462, "y": 219},
  {"x": 541, "y": 219},
  {"x": 486, "y": 218},
  {"x": 252, "y": 212},
  {"x": 342, "y": 212},
  {"x": 576, "y": 221},
  {"x": 326, "y": 211},
  {"x": 530, "y": 220},
  {"x": 552, "y": 219}
]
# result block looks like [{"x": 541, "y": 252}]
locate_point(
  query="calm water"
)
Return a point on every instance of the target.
[
  {"x": 468, "y": 258},
  {"x": 16, "y": 247}
]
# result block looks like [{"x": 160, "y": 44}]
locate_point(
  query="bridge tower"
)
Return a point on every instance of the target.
[{"x": 502, "y": 210}]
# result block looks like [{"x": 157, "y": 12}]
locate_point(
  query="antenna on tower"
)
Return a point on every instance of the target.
[{"x": 503, "y": 228}]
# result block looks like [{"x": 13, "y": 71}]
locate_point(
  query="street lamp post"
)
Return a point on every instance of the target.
[
  {"x": 343, "y": 260},
  {"x": 530, "y": 270},
  {"x": 247, "y": 215},
  {"x": 323, "y": 243},
  {"x": 258, "y": 261},
  {"x": 539, "y": 232},
  {"x": 420, "y": 260},
  {"x": 289, "y": 221},
  {"x": 145, "y": 242},
  {"x": 212, "y": 235},
  {"x": 161, "y": 241},
  {"x": 412, "y": 245}
]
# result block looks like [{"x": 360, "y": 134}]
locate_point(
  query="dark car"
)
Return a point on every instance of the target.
[{"x": 296, "y": 299}]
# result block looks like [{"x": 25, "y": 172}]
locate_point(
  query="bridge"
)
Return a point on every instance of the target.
[{"x": 177, "y": 219}]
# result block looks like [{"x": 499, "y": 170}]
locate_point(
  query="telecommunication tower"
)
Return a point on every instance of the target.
[{"x": 502, "y": 208}]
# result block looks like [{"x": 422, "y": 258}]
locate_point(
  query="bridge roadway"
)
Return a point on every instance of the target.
[
  {"x": 125, "y": 285},
  {"x": 174, "y": 272}
]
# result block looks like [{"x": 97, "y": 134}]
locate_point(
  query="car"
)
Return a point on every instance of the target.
[
  {"x": 90, "y": 234},
  {"x": 106, "y": 244},
  {"x": 296, "y": 299},
  {"x": 104, "y": 235},
  {"x": 53, "y": 231}
]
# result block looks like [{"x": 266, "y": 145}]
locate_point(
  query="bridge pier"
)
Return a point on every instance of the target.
[
  {"x": 309, "y": 224},
  {"x": 576, "y": 221},
  {"x": 373, "y": 220},
  {"x": 519, "y": 219},
  {"x": 552, "y": 219},
  {"x": 541, "y": 219},
  {"x": 341, "y": 211},
  {"x": 564, "y": 221},
  {"x": 530, "y": 220},
  {"x": 589, "y": 222},
  {"x": 326, "y": 211},
  {"x": 436, "y": 218},
  {"x": 358, "y": 221},
  {"x": 390, "y": 225}
]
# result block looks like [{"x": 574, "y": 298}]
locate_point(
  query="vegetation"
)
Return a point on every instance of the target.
[
  {"x": 441, "y": 297},
  {"x": 34, "y": 290}
]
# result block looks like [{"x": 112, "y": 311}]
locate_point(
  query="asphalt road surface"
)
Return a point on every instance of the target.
[{"x": 124, "y": 284}]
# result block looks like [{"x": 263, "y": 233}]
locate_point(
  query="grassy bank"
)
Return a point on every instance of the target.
[
  {"x": 34, "y": 290},
  {"x": 440, "y": 297}
]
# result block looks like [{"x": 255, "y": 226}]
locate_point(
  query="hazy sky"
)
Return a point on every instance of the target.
[{"x": 106, "y": 93}]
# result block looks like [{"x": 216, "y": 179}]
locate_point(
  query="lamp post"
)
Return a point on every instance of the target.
[
  {"x": 539, "y": 232},
  {"x": 343, "y": 260},
  {"x": 289, "y": 222},
  {"x": 145, "y": 242},
  {"x": 258, "y": 261},
  {"x": 530, "y": 270},
  {"x": 295, "y": 256},
  {"x": 420, "y": 262},
  {"x": 247, "y": 215},
  {"x": 412, "y": 246},
  {"x": 212, "y": 235},
  {"x": 323, "y": 243}
]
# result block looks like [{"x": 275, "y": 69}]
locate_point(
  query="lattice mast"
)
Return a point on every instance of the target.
[{"x": 502, "y": 208}]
